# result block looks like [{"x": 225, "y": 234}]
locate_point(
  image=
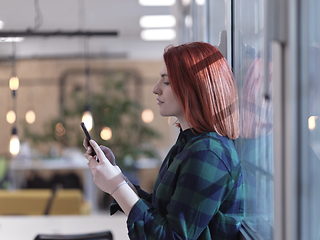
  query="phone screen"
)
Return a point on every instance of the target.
[{"x": 83, "y": 126}]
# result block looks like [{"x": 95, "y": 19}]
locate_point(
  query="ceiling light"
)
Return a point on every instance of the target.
[
  {"x": 1, "y": 24},
  {"x": 157, "y": 21},
  {"x": 158, "y": 34},
  {"x": 157, "y": 2},
  {"x": 201, "y": 2},
  {"x": 188, "y": 21},
  {"x": 11, "y": 39}
]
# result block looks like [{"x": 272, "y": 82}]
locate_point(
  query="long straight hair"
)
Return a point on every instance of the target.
[
  {"x": 203, "y": 83},
  {"x": 256, "y": 112}
]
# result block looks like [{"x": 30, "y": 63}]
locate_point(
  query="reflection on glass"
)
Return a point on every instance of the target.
[
  {"x": 255, "y": 144},
  {"x": 313, "y": 208},
  {"x": 256, "y": 149},
  {"x": 202, "y": 21}
]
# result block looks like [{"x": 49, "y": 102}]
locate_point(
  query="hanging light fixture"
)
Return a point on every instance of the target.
[
  {"x": 14, "y": 80},
  {"x": 14, "y": 142},
  {"x": 30, "y": 117},
  {"x": 147, "y": 116},
  {"x": 14, "y": 85},
  {"x": 312, "y": 122},
  {"x": 106, "y": 133},
  {"x": 11, "y": 117},
  {"x": 87, "y": 115}
]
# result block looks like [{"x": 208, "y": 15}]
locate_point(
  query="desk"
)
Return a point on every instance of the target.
[
  {"x": 18, "y": 168},
  {"x": 28, "y": 227}
]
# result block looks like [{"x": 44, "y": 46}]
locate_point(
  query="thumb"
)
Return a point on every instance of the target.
[{"x": 98, "y": 150}]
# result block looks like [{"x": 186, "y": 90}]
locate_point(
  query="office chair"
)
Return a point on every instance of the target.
[{"x": 106, "y": 235}]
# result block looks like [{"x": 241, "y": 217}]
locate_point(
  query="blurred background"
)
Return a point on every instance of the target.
[{"x": 63, "y": 62}]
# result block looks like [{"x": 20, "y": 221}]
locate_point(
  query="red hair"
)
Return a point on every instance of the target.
[
  {"x": 203, "y": 83},
  {"x": 256, "y": 112}
]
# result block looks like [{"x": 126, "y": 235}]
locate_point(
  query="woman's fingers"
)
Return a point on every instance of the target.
[
  {"x": 87, "y": 155},
  {"x": 91, "y": 160},
  {"x": 85, "y": 143},
  {"x": 87, "y": 146},
  {"x": 95, "y": 146},
  {"x": 109, "y": 154},
  {"x": 98, "y": 150}
]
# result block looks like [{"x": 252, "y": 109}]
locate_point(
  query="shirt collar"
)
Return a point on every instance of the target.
[{"x": 188, "y": 134}]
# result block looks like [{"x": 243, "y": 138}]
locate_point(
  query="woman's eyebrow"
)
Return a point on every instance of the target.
[{"x": 164, "y": 75}]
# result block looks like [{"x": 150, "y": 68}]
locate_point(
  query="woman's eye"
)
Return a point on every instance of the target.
[{"x": 166, "y": 83}]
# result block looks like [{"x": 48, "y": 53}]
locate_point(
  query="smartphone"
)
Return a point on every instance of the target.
[{"x": 89, "y": 138}]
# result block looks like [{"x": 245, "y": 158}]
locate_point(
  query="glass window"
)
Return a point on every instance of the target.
[
  {"x": 216, "y": 21},
  {"x": 310, "y": 102},
  {"x": 194, "y": 21},
  {"x": 255, "y": 144},
  {"x": 203, "y": 20}
]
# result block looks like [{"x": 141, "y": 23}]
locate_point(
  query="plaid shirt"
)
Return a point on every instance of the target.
[{"x": 198, "y": 193}]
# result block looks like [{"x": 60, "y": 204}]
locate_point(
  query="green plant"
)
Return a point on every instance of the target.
[{"x": 112, "y": 107}]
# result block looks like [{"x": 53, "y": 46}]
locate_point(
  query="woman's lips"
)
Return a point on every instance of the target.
[{"x": 159, "y": 102}]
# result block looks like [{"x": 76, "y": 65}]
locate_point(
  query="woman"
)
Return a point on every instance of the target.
[{"x": 198, "y": 192}]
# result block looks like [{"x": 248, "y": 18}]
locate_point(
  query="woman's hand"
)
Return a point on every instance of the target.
[
  {"x": 106, "y": 175},
  {"x": 107, "y": 152},
  {"x": 110, "y": 156}
]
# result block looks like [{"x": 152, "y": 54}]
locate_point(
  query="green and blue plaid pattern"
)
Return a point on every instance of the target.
[{"x": 198, "y": 193}]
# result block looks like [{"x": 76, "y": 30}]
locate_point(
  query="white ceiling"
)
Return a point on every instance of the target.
[{"x": 86, "y": 15}]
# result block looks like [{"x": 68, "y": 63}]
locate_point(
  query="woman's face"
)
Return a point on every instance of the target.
[{"x": 168, "y": 104}]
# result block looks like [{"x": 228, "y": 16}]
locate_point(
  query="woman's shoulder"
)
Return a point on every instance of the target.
[
  {"x": 218, "y": 147},
  {"x": 212, "y": 141}
]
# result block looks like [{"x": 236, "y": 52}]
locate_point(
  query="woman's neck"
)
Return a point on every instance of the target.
[{"x": 183, "y": 123}]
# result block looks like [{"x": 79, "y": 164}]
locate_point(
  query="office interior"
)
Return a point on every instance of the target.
[{"x": 63, "y": 62}]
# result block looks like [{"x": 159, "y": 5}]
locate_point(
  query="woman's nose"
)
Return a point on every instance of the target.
[{"x": 156, "y": 89}]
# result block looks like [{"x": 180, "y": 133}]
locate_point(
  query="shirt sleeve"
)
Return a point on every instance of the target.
[{"x": 203, "y": 183}]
